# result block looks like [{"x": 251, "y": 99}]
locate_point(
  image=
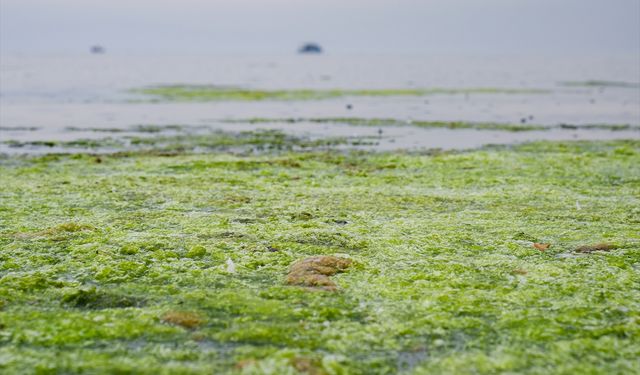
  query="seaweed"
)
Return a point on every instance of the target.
[{"x": 123, "y": 266}]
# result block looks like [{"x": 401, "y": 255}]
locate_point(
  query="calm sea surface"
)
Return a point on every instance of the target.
[{"x": 49, "y": 94}]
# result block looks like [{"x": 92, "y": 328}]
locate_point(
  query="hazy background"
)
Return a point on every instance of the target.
[
  {"x": 50, "y": 83},
  {"x": 525, "y": 27}
]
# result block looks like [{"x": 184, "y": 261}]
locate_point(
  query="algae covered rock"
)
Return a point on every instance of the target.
[{"x": 315, "y": 271}]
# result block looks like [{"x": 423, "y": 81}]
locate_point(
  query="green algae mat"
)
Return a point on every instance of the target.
[
  {"x": 502, "y": 260},
  {"x": 207, "y": 93}
]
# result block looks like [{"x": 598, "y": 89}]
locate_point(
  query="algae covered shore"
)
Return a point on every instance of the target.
[{"x": 522, "y": 259}]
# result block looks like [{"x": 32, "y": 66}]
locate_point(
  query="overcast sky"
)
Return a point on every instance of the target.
[{"x": 341, "y": 26}]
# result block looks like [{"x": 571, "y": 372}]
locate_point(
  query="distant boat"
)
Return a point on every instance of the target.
[
  {"x": 310, "y": 48},
  {"x": 97, "y": 50}
]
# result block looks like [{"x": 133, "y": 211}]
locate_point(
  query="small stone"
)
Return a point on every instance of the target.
[{"x": 231, "y": 267}]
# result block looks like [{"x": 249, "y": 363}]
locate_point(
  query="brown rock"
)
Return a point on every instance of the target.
[
  {"x": 315, "y": 271},
  {"x": 307, "y": 366},
  {"x": 519, "y": 271},
  {"x": 241, "y": 365},
  {"x": 596, "y": 247},
  {"x": 182, "y": 318},
  {"x": 542, "y": 246}
]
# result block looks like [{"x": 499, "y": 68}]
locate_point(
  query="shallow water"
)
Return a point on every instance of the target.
[
  {"x": 386, "y": 138},
  {"x": 55, "y": 93}
]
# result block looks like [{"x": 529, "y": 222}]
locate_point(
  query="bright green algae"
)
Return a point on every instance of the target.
[
  {"x": 92, "y": 255},
  {"x": 203, "y": 93}
]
